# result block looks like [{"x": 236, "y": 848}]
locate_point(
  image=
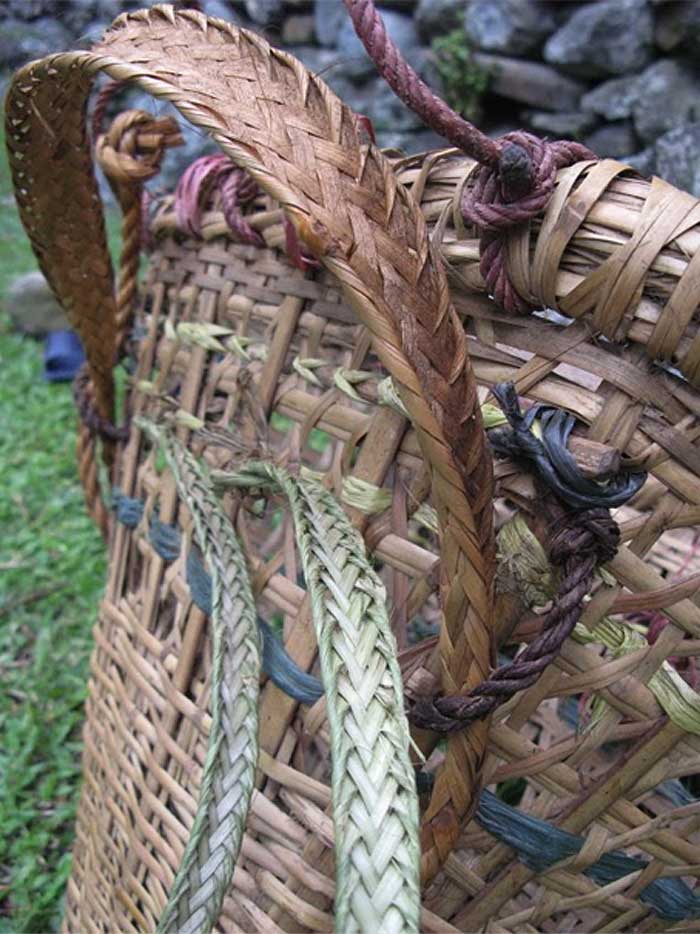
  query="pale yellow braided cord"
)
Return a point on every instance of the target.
[
  {"x": 228, "y": 777},
  {"x": 374, "y": 798}
]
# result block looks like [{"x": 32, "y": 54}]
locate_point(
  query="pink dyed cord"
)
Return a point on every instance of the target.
[
  {"x": 235, "y": 188},
  {"x": 518, "y": 171}
]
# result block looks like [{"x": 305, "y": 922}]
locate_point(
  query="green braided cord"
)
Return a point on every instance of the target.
[
  {"x": 228, "y": 778},
  {"x": 374, "y": 798}
]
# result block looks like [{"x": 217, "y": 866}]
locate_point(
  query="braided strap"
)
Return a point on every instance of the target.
[
  {"x": 375, "y": 805},
  {"x": 228, "y": 778},
  {"x": 303, "y": 147}
]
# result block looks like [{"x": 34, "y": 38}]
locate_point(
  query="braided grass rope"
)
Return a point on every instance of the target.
[
  {"x": 228, "y": 777},
  {"x": 375, "y": 804},
  {"x": 304, "y": 148}
]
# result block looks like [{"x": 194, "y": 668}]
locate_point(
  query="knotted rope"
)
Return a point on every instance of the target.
[
  {"x": 582, "y": 539},
  {"x": 217, "y": 174},
  {"x": 517, "y": 172},
  {"x": 129, "y": 153},
  {"x": 550, "y": 457},
  {"x": 95, "y": 423}
]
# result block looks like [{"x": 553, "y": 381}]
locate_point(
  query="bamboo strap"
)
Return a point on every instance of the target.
[
  {"x": 303, "y": 147},
  {"x": 228, "y": 778}
]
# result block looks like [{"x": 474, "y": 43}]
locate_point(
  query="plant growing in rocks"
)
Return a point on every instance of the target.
[{"x": 463, "y": 80}]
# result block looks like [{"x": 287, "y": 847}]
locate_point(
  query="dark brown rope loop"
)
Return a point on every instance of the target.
[
  {"x": 84, "y": 402},
  {"x": 105, "y": 96},
  {"x": 518, "y": 171},
  {"x": 581, "y": 541}
]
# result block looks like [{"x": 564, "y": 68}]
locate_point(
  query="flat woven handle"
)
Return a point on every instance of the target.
[{"x": 302, "y": 146}]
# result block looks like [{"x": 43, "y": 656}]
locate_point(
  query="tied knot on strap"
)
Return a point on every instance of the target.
[
  {"x": 216, "y": 176},
  {"x": 582, "y": 538},
  {"x": 132, "y": 150},
  {"x": 509, "y": 189},
  {"x": 590, "y": 533},
  {"x": 517, "y": 173}
]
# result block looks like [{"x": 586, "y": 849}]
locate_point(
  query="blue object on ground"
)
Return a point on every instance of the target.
[{"x": 63, "y": 356}]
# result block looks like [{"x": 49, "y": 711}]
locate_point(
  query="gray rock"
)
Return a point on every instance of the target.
[
  {"x": 76, "y": 15},
  {"x": 530, "y": 83},
  {"x": 644, "y": 161},
  {"x": 386, "y": 111},
  {"x": 438, "y": 17},
  {"x": 298, "y": 29},
  {"x": 329, "y": 17},
  {"x": 677, "y": 27},
  {"x": 678, "y": 158},
  {"x": 612, "y": 37},
  {"x": 92, "y": 33},
  {"x": 265, "y": 12},
  {"x": 327, "y": 64},
  {"x": 668, "y": 97},
  {"x": 569, "y": 125},
  {"x": 32, "y": 307},
  {"x": 410, "y": 142},
  {"x": 21, "y": 42},
  {"x": 27, "y": 9},
  {"x": 511, "y": 27},
  {"x": 613, "y": 99},
  {"x": 613, "y": 141},
  {"x": 357, "y": 64},
  {"x": 221, "y": 10}
]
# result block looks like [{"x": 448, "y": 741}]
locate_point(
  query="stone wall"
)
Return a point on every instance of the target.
[{"x": 620, "y": 75}]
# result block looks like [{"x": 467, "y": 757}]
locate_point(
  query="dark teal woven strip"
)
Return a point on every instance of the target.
[
  {"x": 540, "y": 845},
  {"x": 166, "y": 540}
]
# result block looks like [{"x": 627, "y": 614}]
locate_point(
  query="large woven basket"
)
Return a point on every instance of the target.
[{"x": 307, "y": 485}]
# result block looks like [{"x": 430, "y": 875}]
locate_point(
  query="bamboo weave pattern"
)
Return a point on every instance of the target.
[{"x": 603, "y": 751}]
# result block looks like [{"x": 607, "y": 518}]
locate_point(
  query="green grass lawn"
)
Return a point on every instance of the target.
[{"x": 52, "y": 567}]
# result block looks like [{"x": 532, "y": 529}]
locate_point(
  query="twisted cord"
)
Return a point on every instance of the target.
[
  {"x": 98, "y": 425},
  {"x": 105, "y": 96},
  {"x": 582, "y": 539},
  {"x": 216, "y": 174},
  {"x": 580, "y": 542},
  {"x": 129, "y": 153},
  {"x": 518, "y": 171},
  {"x": 550, "y": 457},
  {"x": 228, "y": 776}
]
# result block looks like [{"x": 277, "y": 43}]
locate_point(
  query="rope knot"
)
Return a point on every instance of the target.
[
  {"x": 132, "y": 150},
  {"x": 216, "y": 175},
  {"x": 509, "y": 190},
  {"x": 585, "y": 533}
]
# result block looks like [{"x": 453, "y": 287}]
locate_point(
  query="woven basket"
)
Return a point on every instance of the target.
[{"x": 307, "y": 486}]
